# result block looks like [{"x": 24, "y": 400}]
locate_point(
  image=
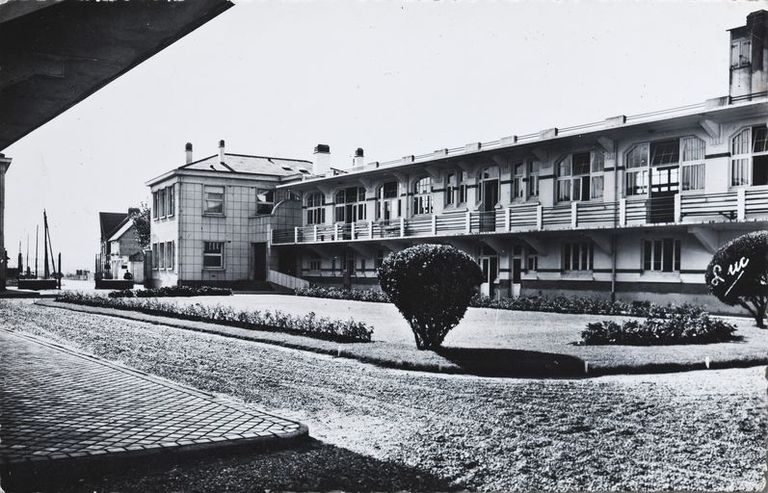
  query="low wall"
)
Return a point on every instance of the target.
[
  {"x": 114, "y": 284},
  {"x": 37, "y": 284}
]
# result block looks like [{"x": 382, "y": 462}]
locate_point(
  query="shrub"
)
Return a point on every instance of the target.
[
  {"x": 170, "y": 291},
  {"x": 682, "y": 325},
  {"x": 309, "y": 325},
  {"x": 738, "y": 274},
  {"x": 431, "y": 285},
  {"x": 343, "y": 294}
]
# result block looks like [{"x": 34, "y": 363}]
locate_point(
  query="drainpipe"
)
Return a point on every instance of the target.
[{"x": 615, "y": 217}]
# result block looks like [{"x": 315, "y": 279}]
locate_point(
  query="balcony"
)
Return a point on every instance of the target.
[{"x": 733, "y": 206}]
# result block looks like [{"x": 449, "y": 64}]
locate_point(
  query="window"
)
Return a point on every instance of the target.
[
  {"x": 155, "y": 205},
  {"x": 577, "y": 256},
  {"x": 350, "y": 205},
  {"x": 161, "y": 247},
  {"x": 533, "y": 179},
  {"x": 265, "y": 201},
  {"x": 580, "y": 176},
  {"x": 155, "y": 257},
  {"x": 532, "y": 260},
  {"x": 315, "y": 208},
  {"x": 665, "y": 152},
  {"x": 692, "y": 166},
  {"x": 362, "y": 266},
  {"x": 170, "y": 254},
  {"x": 450, "y": 189},
  {"x": 387, "y": 202},
  {"x": 463, "y": 179},
  {"x": 213, "y": 255},
  {"x": 741, "y": 53},
  {"x": 171, "y": 200},
  {"x": 163, "y": 203},
  {"x": 422, "y": 196},
  {"x": 379, "y": 258},
  {"x": 518, "y": 181},
  {"x": 314, "y": 264},
  {"x": 661, "y": 255},
  {"x": 749, "y": 157},
  {"x": 213, "y": 200}
]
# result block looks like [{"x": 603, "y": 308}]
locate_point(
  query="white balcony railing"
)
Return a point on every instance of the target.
[{"x": 737, "y": 205}]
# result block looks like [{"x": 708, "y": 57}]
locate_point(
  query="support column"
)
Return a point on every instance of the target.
[{"x": 5, "y": 162}]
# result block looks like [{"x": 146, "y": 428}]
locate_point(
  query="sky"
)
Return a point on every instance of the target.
[{"x": 395, "y": 78}]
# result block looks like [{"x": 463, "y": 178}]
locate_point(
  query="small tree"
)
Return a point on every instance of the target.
[
  {"x": 140, "y": 218},
  {"x": 738, "y": 274},
  {"x": 431, "y": 285}
]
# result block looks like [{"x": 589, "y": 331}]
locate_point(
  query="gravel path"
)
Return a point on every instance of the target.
[{"x": 687, "y": 431}]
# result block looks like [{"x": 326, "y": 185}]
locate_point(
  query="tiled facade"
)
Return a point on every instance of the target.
[{"x": 215, "y": 230}]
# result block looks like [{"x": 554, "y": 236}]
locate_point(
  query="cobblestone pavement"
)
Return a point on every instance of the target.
[{"x": 56, "y": 403}]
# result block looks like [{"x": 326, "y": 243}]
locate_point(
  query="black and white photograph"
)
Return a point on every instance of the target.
[{"x": 373, "y": 246}]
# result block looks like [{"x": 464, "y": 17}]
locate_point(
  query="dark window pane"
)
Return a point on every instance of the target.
[
  {"x": 657, "y": 255},
  {"x": 647, "y": 245},
  {"x": 667, "y": 256}
]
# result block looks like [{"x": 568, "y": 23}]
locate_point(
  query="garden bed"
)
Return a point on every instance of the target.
[
  {"x": 171, "y": 291},
  {"x": 307, "y": 325}
]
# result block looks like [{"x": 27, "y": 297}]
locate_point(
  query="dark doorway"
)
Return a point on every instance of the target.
[
  {"x": 286, "y": 262},
  {"x": 665, "y": 184},
  {"x": 259, "y": 261},
  {"x": 760, "y": 170},
  {"x": 488, "y": 206}
]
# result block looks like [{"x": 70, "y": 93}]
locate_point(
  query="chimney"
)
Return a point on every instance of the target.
[
  {"x": 358, "y": 161},
  {"x": 221, "y": 151},
  {"x": 189, "y": 152},
  {"x": 322, "y": 160},
  {"x": 749, "y": 56}
]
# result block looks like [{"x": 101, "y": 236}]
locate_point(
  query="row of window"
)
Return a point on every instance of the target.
[
  {"x": 163, "y": 255},
  {"x": 163, "y": 202},
  {"x": 213, "y": 200}
]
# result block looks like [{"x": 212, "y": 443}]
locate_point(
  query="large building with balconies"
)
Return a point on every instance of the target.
[{"x": 631, "y": 207}]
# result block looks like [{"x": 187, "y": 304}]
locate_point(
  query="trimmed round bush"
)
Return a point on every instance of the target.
[
  {"x": 738, "y": 274},
  {"x": 432, "y": 286}
]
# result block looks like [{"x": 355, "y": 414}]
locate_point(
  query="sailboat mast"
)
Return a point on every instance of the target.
[
  {"x": 46, "y": 270},
  {"x": 37, "y": 236}
]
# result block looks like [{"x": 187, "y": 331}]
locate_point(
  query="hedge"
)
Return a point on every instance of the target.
[
  {"x": 685, "y": 324},
  {"x": 556, "y": 304},
  {"x": 170, "y": 291},
  {"x": 307, "y": 325}
]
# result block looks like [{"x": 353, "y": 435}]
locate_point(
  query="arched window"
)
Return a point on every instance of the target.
[
  {"x": 387, "y": 201},
  {"x": 749, "y": 156},
  {"x": 315, "y": 208},
  {"x": 422, "y": 196}
]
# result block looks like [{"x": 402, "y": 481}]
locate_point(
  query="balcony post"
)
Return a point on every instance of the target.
[
  {"x": 314, "y": 233},
  {"x": 574, "y": 214},
  {"x": 352, "y": 230},
  {"x": 434, "y": 224},
  {"x": 741, "y": 204},
  {"x": 295, "y": 234},
  {"x": 336, "y": 231},
  {"x": 540, "y": 217},
  {"x": 678, "y": 208},
  {"x": 370, "y": 230},
  {"x": 469, "y": 222},
  {"x": 622, "y": 212},
  {"x": 402, "y": 226},
  {"x": 508, "y": 219}
]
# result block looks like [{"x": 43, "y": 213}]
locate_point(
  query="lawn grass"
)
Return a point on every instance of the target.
[{"x": 542, "y": 344}]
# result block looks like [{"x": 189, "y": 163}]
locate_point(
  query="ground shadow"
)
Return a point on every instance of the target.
[
  {"x": 513, "y": 362},
  {"x": 309, "y": 466}
]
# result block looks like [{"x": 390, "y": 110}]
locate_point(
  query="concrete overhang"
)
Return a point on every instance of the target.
[{"x": 55, "y": 54}]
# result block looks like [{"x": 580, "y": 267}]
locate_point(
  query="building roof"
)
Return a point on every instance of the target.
[
  {"x": 245, "y": 164},
  {"x": 125, "y": 226},
  {"x": 110, "y": 222},
  {"x": 717, "y": 109}
]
